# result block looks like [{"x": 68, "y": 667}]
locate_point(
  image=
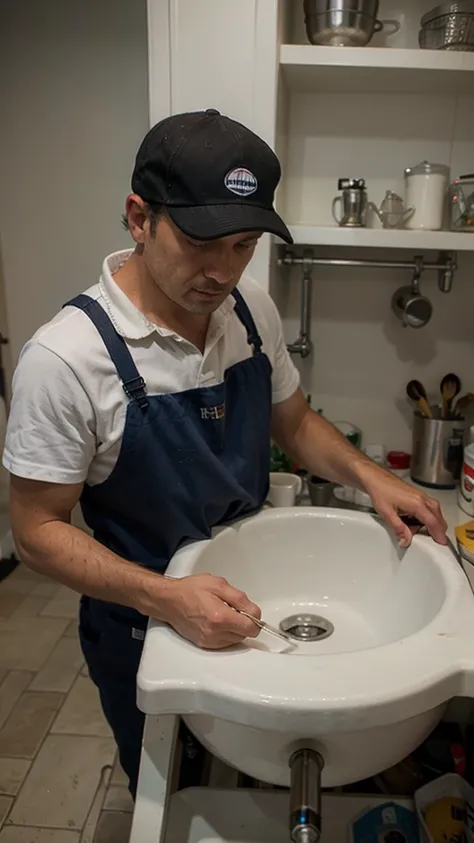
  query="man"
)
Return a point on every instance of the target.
[{"x": 152, "y": 400}]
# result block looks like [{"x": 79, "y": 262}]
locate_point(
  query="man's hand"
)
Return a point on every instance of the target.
[
  {"x": 392, "y": 498},
  {"x": 199, "y": 607},
  {"x": 316, "y": 444}
]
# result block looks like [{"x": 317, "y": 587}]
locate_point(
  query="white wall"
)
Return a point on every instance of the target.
[
  {"x": 73, "y": 89},
  {"x": 363, "y": 357}
]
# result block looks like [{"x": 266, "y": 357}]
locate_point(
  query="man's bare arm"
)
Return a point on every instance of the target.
[
  {"x": 197, "y": 606},
  {"x": 47, "y": 542},
  {"x": 316, "y": 444}
]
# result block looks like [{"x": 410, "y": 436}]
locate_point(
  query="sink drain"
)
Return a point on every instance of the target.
[{"x": 307, "y": 627}]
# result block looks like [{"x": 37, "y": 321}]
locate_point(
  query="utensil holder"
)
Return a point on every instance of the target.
[{"x": 437, "y": 451}]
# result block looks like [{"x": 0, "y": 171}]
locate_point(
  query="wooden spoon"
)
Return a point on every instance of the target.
[
  {"x": 416, "y": 391},
  {"x": 463, "y": 403},
  {"x": 450, "y": 386}
]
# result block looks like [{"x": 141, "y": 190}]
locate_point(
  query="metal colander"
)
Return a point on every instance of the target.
[{"x": 449, "y": 27}]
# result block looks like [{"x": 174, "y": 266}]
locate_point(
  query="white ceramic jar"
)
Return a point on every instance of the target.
[
  {"x": 466, "y": 486},
  {"x": 426, "y": 190}
]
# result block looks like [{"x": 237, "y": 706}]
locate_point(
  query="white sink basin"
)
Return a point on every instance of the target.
[{"x": 367, "y": 694}]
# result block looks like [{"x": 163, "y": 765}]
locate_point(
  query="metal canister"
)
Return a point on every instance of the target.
[{"x": 437, "y": 451}]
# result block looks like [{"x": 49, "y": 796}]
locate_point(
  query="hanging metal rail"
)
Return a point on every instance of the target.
[{"x": 445, "y": 267}]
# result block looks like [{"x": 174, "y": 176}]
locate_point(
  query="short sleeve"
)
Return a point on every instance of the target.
[
  {"x": 285, "y": 376},
  {"x": 51, "y": 427}
]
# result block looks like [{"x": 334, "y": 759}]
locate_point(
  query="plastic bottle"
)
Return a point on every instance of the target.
[{"x": 398, "y": 462}]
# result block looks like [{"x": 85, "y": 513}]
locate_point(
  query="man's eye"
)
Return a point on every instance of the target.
[
  {"x": 248, "y": 245},
  {"x": 199, "y": 245}
]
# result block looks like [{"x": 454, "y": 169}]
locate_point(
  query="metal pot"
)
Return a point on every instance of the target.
[
  {"x": 413, "y": 309},
  {"x": 341, "y": 23}
]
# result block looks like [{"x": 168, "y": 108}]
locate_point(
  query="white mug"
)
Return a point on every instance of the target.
[{"x": 284, "y": 487}]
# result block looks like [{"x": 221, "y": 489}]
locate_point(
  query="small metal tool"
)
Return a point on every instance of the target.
[{"x": 267, "y": 628}]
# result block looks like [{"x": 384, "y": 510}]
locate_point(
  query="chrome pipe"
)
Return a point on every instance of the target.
[
  {"x": 446, "y": 273},
  {"x": 303, "y": 344},
  {"x": 305, "y": 796},
  {"x": 292, "y": 260}
]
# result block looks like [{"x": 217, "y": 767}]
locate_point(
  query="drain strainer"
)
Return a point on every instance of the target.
[{"x": 307, "y": 627}]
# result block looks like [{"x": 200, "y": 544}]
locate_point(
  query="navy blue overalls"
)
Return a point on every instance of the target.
[{"x": 188, "y": 461}]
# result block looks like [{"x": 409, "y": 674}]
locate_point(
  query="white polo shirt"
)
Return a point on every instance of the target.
[{"x": 68, "y": 408}]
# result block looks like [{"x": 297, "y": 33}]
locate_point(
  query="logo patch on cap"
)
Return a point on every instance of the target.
[{"x": 241, "y": 181}]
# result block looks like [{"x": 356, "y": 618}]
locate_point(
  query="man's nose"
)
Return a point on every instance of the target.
[{"x": 220, "y": 269}]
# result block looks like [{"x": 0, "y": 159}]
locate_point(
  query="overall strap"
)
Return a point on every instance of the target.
[
  {"x": 132, "y": 382},
  {"x": 243, "y": 312}
]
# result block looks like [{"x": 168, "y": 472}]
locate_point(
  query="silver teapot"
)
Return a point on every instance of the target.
[{"x": 392, "y": 212}]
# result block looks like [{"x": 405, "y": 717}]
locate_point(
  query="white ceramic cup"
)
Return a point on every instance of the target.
[{"x": 284, "y": 487}]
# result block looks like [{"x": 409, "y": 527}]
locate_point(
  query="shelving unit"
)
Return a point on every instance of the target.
[
  {"x": 382, "y": 238},
  {"x": 369, "y": 112},
  {"x": 375, "y": 70},
  {"x": 329, "y": 112}
]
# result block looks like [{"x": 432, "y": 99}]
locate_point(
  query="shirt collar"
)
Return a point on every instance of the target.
[{"x": 127, "y": 319}]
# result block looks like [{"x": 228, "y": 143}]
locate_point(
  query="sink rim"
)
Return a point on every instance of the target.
[{"x": 420, "y": 671}]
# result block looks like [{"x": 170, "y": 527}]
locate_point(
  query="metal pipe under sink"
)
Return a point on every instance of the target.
[{"x": 305, "y": 795}]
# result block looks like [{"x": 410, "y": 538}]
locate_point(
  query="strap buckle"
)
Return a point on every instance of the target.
[
  {"x": 255, "y": 341},
  {"x": 135, "y": 388}
]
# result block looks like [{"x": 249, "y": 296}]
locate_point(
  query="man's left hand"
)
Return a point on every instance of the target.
[{"x": 391, "y": 497}]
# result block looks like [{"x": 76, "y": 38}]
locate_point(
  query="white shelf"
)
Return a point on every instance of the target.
[
  {"x": 381, "y": 238},
  {"x": 376, "y": 69}
]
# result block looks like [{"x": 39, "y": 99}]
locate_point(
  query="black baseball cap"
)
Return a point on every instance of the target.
[{"x": 214, "y": 176}]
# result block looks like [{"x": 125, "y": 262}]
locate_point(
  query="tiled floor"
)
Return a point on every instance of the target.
[{"x": 59, "y": 778}]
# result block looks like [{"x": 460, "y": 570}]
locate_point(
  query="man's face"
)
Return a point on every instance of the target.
[{"x": 194, "y": 274}]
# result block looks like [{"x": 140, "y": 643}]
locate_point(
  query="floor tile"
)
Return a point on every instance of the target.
[
  {"x": 11, "y": 586},
  {"x": 5, "y": 805},
  {"x": 81, "y": 713},
  {"x": 90, "y": 825},
  {"x": 118, "y": 774},
  {"x": 30, "y": 606},
  {"x": 113, "y": 827},
  {"x": 46, "y": 589},
  {"x": 26, "y": 646},
  {"x": 72, "y": 630},
  {"x": 12, "y": 773},
  {"x": 60, "y": 787},
  {"x": 60, "y": 669},
  {"x": 10, "y": 602},
  {"x": 118, "y": 799},
  {"x": 64, "y": 604},
  {"x": 19, "y": 834},
  {"x": 11, "y": 690},
  {"x": 28, "y": 724},
  {"x": 24, "y": 573}
]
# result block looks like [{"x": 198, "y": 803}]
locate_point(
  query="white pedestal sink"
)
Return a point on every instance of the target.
[{"x": 367, "y": 694}]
